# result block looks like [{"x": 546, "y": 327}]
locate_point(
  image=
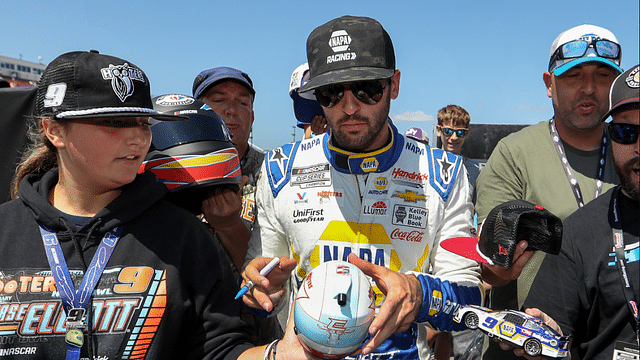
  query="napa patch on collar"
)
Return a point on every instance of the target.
[
  {"x": 443, "y": 169},
  {"x": 378, "y": 161},
  {"x": 279, "y": 163}
]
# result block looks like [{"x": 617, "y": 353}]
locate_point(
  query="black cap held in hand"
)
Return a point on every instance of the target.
[{"x": 505, "y": 226}]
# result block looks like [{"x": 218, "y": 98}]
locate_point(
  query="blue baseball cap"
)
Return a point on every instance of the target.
[{"x": 208, "y": 78}]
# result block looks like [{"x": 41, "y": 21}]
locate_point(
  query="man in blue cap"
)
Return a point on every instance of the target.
[{"x": 230, "y": 93}]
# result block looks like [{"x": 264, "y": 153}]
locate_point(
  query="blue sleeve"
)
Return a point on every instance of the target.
[{"x": 441, "y": 300}]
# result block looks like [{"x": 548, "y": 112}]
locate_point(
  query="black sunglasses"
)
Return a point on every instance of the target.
[
  {"x": 368, "y": 91},
  {"x": 624, "y": 133},
  {"x": 447, "y": 131}
]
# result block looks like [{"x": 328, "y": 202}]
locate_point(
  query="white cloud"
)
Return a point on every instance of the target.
[
  {"x": 413, "y": 116},
  {"x": 541, "y": 107}
]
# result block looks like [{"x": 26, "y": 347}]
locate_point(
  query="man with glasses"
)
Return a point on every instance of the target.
[
  {"x": 560, "y": 164},
  {"x": 594, "y": 288},
  {"x": 365, "y": 193},
  {"x": 452, "y": 129}
]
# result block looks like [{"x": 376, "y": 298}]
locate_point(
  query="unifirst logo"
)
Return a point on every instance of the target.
[{"x": 340, "y": 41}]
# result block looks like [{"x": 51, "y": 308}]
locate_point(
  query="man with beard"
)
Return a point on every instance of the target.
[
  {"x": 559, "y": 164},
  {"x": 594, "y": 279},
  {"x": 363, "y": 192}
]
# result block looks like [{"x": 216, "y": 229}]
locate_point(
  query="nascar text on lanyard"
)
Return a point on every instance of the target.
[
  {"x": 573, "y": 181},
  {"x": 75, "y": 302},
  {"x": 618, "y": 245}
]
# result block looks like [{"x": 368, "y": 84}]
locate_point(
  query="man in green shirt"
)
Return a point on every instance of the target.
[{"x": 559, "y": 164}]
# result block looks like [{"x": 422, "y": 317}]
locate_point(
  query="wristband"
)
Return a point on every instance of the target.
[{"x": 275, "y": 347}]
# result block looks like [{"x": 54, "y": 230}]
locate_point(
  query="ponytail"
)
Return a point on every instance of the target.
[{"x": 40, "y": 156}]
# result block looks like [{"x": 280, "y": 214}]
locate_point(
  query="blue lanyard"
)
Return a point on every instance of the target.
[
  {"x": 75, "y": 302},
  {"x": 573, "y": 181}
]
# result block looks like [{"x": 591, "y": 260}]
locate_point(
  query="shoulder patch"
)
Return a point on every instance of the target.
[
  {"x": 443, "y": 168},
  {"x": 279, "y": 162}
]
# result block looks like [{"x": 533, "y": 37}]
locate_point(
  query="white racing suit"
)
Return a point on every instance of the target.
[{"x": 391, "y": 207}]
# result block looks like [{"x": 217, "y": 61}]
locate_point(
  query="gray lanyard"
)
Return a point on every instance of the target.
[{"x": 573, "y": 181}]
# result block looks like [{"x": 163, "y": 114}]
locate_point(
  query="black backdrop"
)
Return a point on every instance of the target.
[
  {"x": 483, "y": 138},
  {"x": 15, "y": 104}
]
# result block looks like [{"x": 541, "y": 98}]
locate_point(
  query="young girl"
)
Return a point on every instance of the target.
[{"x": 93, "y": 263}]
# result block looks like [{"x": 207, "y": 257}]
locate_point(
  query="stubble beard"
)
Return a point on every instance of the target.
[
  {"x": 357, "y": 143},
  {"x": 571, "y": 119},
  {"x": 624, "y": 171}
]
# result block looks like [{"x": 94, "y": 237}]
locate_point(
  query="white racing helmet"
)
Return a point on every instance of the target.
[{"x": 333, "y": 310}]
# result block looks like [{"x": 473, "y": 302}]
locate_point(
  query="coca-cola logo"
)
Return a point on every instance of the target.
[{"x": 412, "y": 236}]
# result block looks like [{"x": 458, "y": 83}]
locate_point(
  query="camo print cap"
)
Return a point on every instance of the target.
[
  {"x": 81, "y": 85},
  {"x": 349, "y": 48}
]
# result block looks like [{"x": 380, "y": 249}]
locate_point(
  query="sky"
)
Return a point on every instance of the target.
[{"x": 486, "y": 56}]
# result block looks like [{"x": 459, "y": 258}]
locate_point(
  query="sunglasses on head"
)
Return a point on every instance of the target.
[
  {"x": 624, "y": 133},
  {"x": 578, "y": 48},
  {"x": 447, "y": 131},
  {"x": 367, "y": 91}
]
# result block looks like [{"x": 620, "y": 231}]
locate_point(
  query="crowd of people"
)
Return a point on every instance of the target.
[{"x": 100, "y": 262}]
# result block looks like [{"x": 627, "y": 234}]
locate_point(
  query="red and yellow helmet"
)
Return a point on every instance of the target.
[{"x": 193, "y": 158}]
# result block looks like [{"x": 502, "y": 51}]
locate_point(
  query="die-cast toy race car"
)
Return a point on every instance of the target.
[{"x": 516, "y": 328}]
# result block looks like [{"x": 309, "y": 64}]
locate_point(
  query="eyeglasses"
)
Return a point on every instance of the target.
[
  {"x": 447, "y": 131},
  {"x": 624, "y": 133},
  {"x": 578, "y": 48},
  {"x": 369, "y": 92}
]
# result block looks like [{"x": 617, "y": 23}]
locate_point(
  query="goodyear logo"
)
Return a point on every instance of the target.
[
  {"x": 369, "y": 164},
  {"x": 410, "y": 196}
]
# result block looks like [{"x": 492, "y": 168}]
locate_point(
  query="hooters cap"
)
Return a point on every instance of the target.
[
  {"x": 507, "y": 225},
  {"x": 349, "y": 48},
  {"x": 87, "y": 84}
]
